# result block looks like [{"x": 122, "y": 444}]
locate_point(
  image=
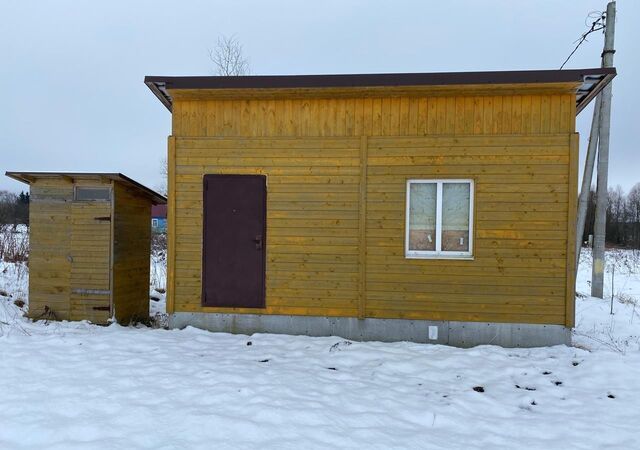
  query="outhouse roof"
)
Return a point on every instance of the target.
[
  {"x": 29, "y": 177},
  {"x": 588, "y": 81}
]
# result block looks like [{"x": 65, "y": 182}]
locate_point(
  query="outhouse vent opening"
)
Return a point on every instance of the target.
[{"x": 87, "y": 194}]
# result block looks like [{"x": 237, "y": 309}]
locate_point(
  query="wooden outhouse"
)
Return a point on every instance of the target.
[
  {"x": 89, "y": 246},
  {"x": 434, "y": 207}
]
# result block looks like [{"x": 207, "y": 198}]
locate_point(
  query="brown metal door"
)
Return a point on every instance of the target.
[{"x": 233, "y": 260}]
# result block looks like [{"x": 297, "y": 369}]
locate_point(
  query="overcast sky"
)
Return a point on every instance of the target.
[{"x": 71, "y": 72}]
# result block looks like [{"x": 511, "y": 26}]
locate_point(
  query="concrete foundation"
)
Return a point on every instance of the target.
[{"x": 458, "y": 334}]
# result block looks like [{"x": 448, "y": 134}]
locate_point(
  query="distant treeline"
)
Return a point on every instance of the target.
[
  {"x": 623, "y": 217},
  {"x": 14, "y": 208}
]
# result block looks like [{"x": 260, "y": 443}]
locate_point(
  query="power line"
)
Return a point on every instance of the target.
[{"x": 597, "y": 25}]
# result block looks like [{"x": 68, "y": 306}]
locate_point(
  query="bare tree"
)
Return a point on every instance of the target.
[
  {"x": 228, "y": 58},
  {"x": 163, "y": 186}
]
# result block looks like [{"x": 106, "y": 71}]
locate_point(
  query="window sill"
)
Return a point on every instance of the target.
[{"x": 441, "y": 257}]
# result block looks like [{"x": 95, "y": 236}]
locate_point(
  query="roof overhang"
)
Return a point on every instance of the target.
[
  {"x": 585, "y": 83},
  {"x": 30, "y": 177}
]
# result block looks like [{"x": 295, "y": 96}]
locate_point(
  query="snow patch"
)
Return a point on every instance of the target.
[{"x": 67, "y": 385}]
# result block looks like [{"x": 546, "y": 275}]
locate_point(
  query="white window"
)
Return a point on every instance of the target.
[
  {"x": 154, "y": 222},
  {"x": 439, "y": 222},
  {"x": 88, "y": 194}
]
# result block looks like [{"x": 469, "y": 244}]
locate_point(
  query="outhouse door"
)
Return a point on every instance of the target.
[
  {"x": 91, "y": 254},
  {"x": 234, "y": 223}
]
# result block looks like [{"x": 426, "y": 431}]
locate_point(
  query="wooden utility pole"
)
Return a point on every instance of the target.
[{"x": 597, "y": 274}]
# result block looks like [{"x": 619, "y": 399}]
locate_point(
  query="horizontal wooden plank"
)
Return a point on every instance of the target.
[
  {"x": 465, "y": 288},
  {"x": 468, "y": 141},
  {"x": 192, "y": 191},
  {"x": 470, "y": 160},
  {"x": 325, "y": 303},
  {"x": 312, "y": 206},
  {"x": 477, "y": 308},
  {"x": 268, "y": 143},
  {"x": 284, "y": 256},
  {"x": 270, "y": 170},
  {"x": 555, "y": 225},
  {"x": 464, "y": 279},
  {"x": 502, "y": 206},
  {"x": 467, "y": 170},
  {"x": 351, "y": 214},
  {"x": 280, "y": 310},
  {"x": 471, "y": 151},
  {"x": 381, "y": 182},
  {"x": 314, "y": 249},
  {"x": 310, "y": 294},
  {"x": 489, "y": 271},
  {"x": 466, "y": 316},
  {"x": 188, "y": 180},
  {"x": 522, "y": 187},
  {"x": 523, "y": 215},
  {"x": 268, "y": 160},
  {"x": 255, "y": 152},
  {"x": 399, "y": 198},
  {"x": 278, "y": 283},
  {"x": 398, "y": 224},
  {"x": 311, "y": 210},
  {"x": 294, "y": 239},
  {"x": 481, "y": 245},
  {"x": 393, "y": 297},
  {"x": 481, "y": 252},
  {"x": 391, "y": 237},
  {"x": 298, "y": 225}
]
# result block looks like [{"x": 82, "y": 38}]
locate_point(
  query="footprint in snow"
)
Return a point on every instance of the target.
[
  {"x": 528, "y": 388},
  {"x": 478, "y": 388},
  {"x": 339, "y": 345}
]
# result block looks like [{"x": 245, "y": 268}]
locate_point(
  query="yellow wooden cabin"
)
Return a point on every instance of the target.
[
  {"x": 90, "y": 238},
  {"x": 433, "y": 207}
]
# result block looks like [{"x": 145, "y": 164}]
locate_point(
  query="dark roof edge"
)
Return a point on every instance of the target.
[
  {"x": 373, "y": 80},
  {"x": 23, "y": 177},
  {"x": 160, "y": 85}
]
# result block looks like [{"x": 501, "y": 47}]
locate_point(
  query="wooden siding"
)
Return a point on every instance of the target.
[
  {"x": 379, "y": 116},
  {"x": 337, "y": 170},
  {"x": 518, "y": 270},
  {"x": 312, "y": 219},
  {"x": 50, "y": 246},
  {"x": 75, "y": 245},
  {"x": 131, "y": 255}
]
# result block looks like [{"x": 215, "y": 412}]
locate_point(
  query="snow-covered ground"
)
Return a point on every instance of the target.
[{"x": 76, "y": 385}]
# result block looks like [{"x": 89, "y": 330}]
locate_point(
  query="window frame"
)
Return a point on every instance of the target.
[
  {"x": 438, "y": 253},
  {"x": 76, "y": 199}
]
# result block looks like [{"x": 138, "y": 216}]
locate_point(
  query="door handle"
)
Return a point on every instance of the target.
[{"x": 258, "y": 241}]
